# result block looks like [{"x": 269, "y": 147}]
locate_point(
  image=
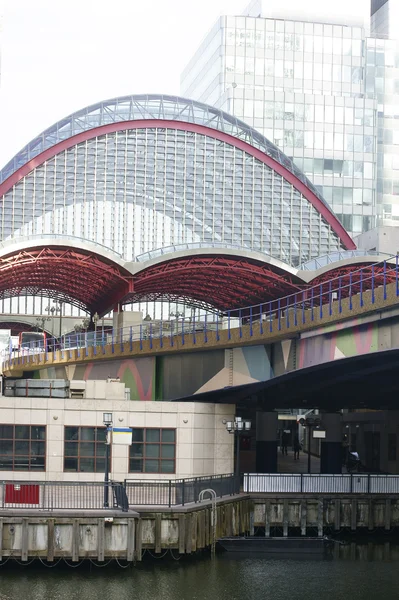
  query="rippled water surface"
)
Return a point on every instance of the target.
[{"x": 354, "y": 576}]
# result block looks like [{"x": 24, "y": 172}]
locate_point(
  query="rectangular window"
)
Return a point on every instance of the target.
[
  {"x": 153, "y": 451},
  {"x": 22, "y": 448},
  {"x": 84, "y": 449}
]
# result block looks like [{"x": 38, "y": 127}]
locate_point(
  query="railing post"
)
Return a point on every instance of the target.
[
  {"x": 339, "y": 294},
  {"x": 350, "y": 291},
  {"x": 330, "y": 297},
  {"x": 372, "y": 285},
  {"x": 396, "y": 274},
  {"x": 301, "y": 483},
  {"x": 351, "y": 484},
  {"x": 182, "y": 492},
  {"x": 170, "y": 493},
  {"x": 260, "y": 319},
  {"x": 270, "y": 318},
  {"x": 279, "y": 314},
  {"x": 312, "y": 304},
  {"x": 303, "y": 308},
  {"x": 361, "y": 287},
  {"x": 321, "y": 300},
  {"x": 288, "y": 313},
  {"x": 385, "y": 279}
]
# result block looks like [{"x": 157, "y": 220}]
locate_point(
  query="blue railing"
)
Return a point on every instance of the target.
[{"x": 269, "y": 317}]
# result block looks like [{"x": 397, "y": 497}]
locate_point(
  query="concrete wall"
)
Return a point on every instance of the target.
[{"x": 203, "y": 445}]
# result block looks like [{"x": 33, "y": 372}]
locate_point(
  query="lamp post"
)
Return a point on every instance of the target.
[
  {"x": 237, "y": 428},
  {"x": 107, "y": 420},
  {"x": 95, "y": 318}
]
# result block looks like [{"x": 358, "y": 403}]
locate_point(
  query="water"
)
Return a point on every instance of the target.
[{"x": 361, "y": 573}]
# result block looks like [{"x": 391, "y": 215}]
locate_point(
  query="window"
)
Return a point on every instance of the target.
[
  {"x": 84, "y": 449},
  {"x": 153, "y": 451},
  {"x": 22, "y": 448}
]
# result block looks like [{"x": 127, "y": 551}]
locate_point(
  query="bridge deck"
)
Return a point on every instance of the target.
[{"x": 300, "y": 319}]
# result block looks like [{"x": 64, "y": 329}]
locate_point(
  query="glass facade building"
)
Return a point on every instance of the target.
[{"x": 322, "y": 92}]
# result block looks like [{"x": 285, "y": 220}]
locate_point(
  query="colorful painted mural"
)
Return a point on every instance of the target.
[{"x": 138, "y": 374}]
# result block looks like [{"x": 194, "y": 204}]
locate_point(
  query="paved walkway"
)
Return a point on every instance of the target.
[{"x": 287, "y": 464}]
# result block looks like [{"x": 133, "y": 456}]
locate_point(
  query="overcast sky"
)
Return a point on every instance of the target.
[{"x": 61, "y": 55}]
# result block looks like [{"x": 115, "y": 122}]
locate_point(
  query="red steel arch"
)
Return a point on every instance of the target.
[
  {"x": 83, "y": 278},
  {"x": 322, "y": 208},
  {"x": 223, "y": 282}
]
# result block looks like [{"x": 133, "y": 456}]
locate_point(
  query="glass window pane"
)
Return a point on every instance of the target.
[
  {"x": 71, "y": 433},
  {"x": 37, "y": 463},
  {"x": 152, "y": 450},
  {"x": 6, "y": 432},
  {"x": 137, "y": 435},
  {"x": 167, "y": 466},
  {"x": 37, "y": 448},
  {"x": 22, "y": 448},
  {"x": 71, "y": 449},
  {"x": 168, "y": 451},
  {"x": 87, "y": 465},
  {"x": 168, "y": 435},
  {"x": 22, "y": 432},
  {"x": 6, "y": 446},
  {"x": 101, "y": 434},
  {"x": 70, "y": 464},
  {"x": 100, "y": 449},
  {"x": 136, "y": 466},
  {"x": 137, "y": 450},
  {"x": 100, "y": 465},
  {"x": 152, "y": 466},
  {"x": 87, "y": 433},
  {"x": 152, "y": 435},
  {"x": 86, "y": 449},
  {"x": 38, "y": 433}
]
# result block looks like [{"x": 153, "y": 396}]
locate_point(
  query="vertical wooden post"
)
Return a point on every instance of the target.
[
  {"x": 50, "y": 540},
  {"x": 24, "y": 541},
  {"x": 267, "y": 518},
  {"x": 100, "y": 539},
  {"x": 158, "y": 532},
  {"x": 75, "y": 540},
  {"x": 130, "y": 540},
  {"x": 139, "y": 541}
]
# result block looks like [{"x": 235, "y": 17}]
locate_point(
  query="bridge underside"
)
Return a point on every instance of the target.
[{"x": 367, "y": 381}]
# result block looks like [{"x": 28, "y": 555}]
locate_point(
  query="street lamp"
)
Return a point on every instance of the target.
[
  {"x": 95, "y": 318},
  {"x": 107, "y": 420},
  {"x": 237, "y": 428}
]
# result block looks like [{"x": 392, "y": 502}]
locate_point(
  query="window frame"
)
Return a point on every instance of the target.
[
  {"x": 29, "y": 456},
  {"x": 144, "y": 456},
  {"x": 79, "y": 455}
]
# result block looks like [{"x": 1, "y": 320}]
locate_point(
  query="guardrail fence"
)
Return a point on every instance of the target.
[
  {"x": 351, "y": 483},
  {"x": 173, "y": 492},
  {"x": 53, "y": 495}
]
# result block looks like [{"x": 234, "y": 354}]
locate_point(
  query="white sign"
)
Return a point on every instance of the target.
[
  {"x": 319, "y": 434},
  {"x": 122, "y": 436}
]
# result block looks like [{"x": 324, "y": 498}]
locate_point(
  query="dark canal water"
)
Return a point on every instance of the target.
[{"x": 362, "y": 572}]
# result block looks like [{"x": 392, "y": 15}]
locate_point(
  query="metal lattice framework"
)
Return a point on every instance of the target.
[
  {"x": 221, "y": 282},
  {"x": 84, "y": 279}
]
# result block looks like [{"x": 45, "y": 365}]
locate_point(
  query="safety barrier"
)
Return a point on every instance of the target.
[
  {"x": 351, "y": 483},
  {"x": 52, "y": 495}
]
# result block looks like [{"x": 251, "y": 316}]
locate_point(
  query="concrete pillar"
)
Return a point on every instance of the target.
[
  {"x": 331, "y": 446},
  {"x": 266, "y": 442}
]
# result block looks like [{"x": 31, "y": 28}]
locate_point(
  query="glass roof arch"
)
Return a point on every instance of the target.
[{"x": 151, "y": 106}]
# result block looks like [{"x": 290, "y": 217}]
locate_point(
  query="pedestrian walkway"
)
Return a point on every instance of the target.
[{"x": 287, "y": 464}]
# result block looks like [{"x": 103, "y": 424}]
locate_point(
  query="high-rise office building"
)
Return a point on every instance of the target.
[{"x": 325, "y": 90}]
